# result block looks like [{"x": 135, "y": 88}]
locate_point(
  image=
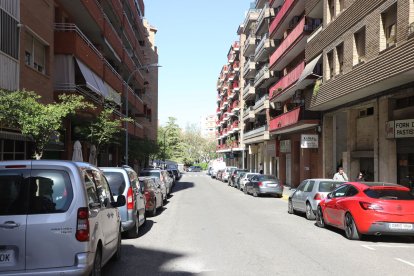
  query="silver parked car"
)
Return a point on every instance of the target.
[
  {"x": 308, "y": 195},
  {"x": 56, "y": 217},
  {"x": 262, "y": 184},
  {"x": 245, "y": 178},
  {"x": 124, "y": 181},
  {"x": 226, "y": 173}
]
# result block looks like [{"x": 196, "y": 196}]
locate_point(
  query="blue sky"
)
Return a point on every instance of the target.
[{"x": 193, "y": 40}]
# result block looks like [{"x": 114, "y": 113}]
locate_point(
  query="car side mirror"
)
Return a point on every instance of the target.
[
  {"x": 329, "y": 196},
  {"x": 120, "y": 201}
]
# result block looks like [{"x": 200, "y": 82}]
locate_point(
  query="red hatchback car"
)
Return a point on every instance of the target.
[{"x": 368, "y": 208}]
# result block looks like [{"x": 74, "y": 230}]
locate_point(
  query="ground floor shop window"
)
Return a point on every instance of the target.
[
  {"x": 12, "y": 149},
  {"x": 405, "y": 165}
]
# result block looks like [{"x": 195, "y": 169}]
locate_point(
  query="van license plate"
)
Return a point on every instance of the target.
[
  {"x": 401, "y": 226},
  {"x": 6, "y": 257}
]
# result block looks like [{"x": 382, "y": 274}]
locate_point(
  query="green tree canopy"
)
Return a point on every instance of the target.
[{"x": 23, "y": 110}]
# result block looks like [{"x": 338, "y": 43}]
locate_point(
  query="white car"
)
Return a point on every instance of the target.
[
  {"x": 226, "y": 173},
  {"x": 245, "y": 179}
]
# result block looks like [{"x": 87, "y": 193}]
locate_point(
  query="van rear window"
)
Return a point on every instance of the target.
[
  {"x": 116, "y": 181},
  {"x": 13, "y": 193}
]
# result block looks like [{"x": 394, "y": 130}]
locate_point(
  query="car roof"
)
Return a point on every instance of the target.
[{"x": 364, "y": 185}]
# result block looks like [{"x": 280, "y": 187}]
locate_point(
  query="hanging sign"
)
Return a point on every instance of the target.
[{"x": 309, "y": 141}]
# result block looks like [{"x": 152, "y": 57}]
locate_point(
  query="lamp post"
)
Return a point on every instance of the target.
[
  {"x": 163, "y": 155},
  {"x": 127, "y": 105}
]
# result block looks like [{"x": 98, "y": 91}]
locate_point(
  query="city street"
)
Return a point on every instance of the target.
[{"x": 209, "y": 228}]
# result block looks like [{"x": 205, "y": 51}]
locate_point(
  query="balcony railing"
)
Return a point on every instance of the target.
[
  {"x": 288, "y": 42},
  {"x": 261, "y": 16},
  {"x": 255, "y": 131},
  {"x": 261, "y": 74},
  {"x": 280, "y": 16},
  {"x": 287, "y": 81},
  {"x": 286, "y": 119},
  {"x": 236, "y": 65},
  {"x": 248, "y": 90},
  {"x": 261, "y": 102},
  {"x": 252, "y": 15}
]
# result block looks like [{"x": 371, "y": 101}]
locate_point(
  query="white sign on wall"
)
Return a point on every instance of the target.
[
  {"x": 285, "y": 146},
  {"x": 400, "y": 129},
  {"x": 309, "y": 141}
]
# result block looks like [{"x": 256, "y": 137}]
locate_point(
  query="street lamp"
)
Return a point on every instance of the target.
[
  {"x": 146, "y": 67},
  {"x": 163, "y": 155}
]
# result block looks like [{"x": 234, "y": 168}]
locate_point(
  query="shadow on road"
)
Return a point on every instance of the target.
[
  {"x": 139, "y": 261},
  {"x": 372, "y": 238},
  {"x": 182, "y": 186}
]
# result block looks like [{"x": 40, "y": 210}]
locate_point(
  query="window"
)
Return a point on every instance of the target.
[
  {"x": 91, "y": 190},
  {"x": 359, "y": 46},
  {"x": 309, "y": 187},
  {"x": 330, "y": 66},
  {"x": 13, "y": 195},
  {"x": 302, "y": 185},
  {"x": 328, "y": 186},
  {"x": 50, "y": 191},
  {"x": 352, "y": 191},
  {"x": 389, "y": 194},
  {"x": 388, "y": 31},
  {"x": 9, "y": 35},
  {"x": 34, "y": 53},
  {"x": 340, "y": 58},
  {"x": 116, "y": 181},
  {"x": 341, "y": 191}
]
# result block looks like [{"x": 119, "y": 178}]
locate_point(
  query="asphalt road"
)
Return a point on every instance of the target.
[{"x": 209, "y": 228}]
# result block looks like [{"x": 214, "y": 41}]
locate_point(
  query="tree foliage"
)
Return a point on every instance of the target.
[
  {"x": 105, "y": 129},
  {"x": 23, "y": 110},
  {"x": 185, "y": 146}
]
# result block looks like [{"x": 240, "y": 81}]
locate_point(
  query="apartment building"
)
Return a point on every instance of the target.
[
  {"x": 87, "y": 47},
  {"x": 208, "y": 126},
  {"x": 367, "y": 90},
  {"x": 228, "y": 125}
]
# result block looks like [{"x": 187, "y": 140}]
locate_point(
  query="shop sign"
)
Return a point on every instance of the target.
[
  {"x": 285, "y": 146},
  {"x": 271, "y": 148},
  {"x": 309, "y": 141},
  {"x": 400, "y": 129}
]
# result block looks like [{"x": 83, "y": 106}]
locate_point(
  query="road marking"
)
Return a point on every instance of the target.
[
  {"x": 371, "y": 247},
  {"x": 404, "y": 261}
]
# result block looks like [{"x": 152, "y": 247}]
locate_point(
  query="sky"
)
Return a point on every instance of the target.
[{"x": 193, "y": 39}]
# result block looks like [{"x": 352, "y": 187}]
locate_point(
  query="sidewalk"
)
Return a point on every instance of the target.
[{"x": 287, "y": 192}]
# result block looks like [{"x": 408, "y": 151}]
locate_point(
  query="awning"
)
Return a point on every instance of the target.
[
  {"x": 93, "y": 81},
  {"x": 304, "y": 79},
  {"x": 113, "y": 95}
]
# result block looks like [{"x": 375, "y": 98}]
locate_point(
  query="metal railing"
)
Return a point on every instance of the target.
[
  {"x": 255, "y": 131},
  {"x": 260, "y": 102},
  {"x": 261, "y": 73}
]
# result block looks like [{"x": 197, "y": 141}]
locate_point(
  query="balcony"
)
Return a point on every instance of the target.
[
  {"x": 249, "y": 91},
  {"x": 265, "y": 13},
  {"x": 292, "y": 46},
  {"x": 250, "y": 18},
  {"x": 236, "y": 66},
  {"x": 249, "y": 45},
  {"x": 286, "y": 82},
  {"x": 249, "y": 68},
  {"x": 235, "y": 86},
  {"x": 259, "y": 134},
  {"x": 283, "y": 18},
  {"x": 236, "y": 46},
  {"x": 263, "y": 76},
  {"x": 248, "y": 114},
  {"x": 231, "y": 57},
  {"x": 265, "y": 47},
  {"x": 261, "y": 105},
  {"x": 294, "y": 120},
  {"x": 231, "y": 77}
]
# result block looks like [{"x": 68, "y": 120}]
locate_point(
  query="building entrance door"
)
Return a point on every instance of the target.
[{"x": 288, "y": 169}]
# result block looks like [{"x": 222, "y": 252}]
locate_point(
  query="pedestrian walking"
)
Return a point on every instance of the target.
[
  {"x": 261, "y": 168},
  {"x": 360, "y": 177},
  {"x": 340, "y": 175}
]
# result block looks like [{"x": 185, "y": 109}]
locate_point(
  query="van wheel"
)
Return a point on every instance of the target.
[
  {"x": 133, "y": 232},
  {"x": 97, "y": 263}
]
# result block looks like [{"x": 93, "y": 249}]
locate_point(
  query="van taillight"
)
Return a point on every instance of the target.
[
  {"x": 130, "y": 199},
  {"x": 82, "y": 226}
]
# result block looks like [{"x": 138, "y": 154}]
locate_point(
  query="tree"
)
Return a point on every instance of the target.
[
  {"x": 143, "y": 149},
  {"x": 22, "y": 109},
  {"x": 169, "y": 141},
  {"x": 105, "y": 129}
]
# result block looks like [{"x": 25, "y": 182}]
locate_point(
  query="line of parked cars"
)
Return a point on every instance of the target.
[
  {"x": 358, "y": 208},
  {"x": 255, "y": 184},
  {"x": 81, "y": 210}
]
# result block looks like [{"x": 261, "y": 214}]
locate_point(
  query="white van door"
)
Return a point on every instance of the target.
[
  {"x": 51, "y": 223},
  {"x": 13, "y": 208}
]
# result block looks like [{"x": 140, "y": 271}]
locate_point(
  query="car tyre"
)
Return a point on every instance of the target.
[
  {"x": 245, "y": 190},
  {"x": 154, "y": 210},
  {"x": 351, "y": 231},
  {"x": 133, "y": 232},
  {"x": 255, "y": 194},
  {"x": 97, "y": 263},
  {"x": 290, "y": 207},
  {"x": 310, "y": 215},
  {"x": 320, "y": 222}
]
